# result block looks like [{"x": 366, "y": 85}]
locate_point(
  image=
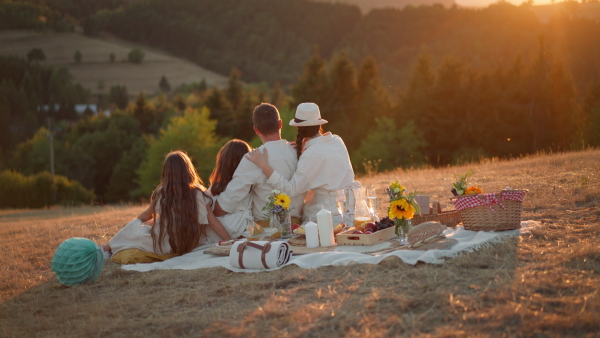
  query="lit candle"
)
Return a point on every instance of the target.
[
  {"x": 325, "y": 226},
  {"x": 312, "y": 235}
]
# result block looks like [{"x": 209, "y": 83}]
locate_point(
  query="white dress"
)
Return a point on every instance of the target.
[
  {"x": 136, "y": 235},
  {"x": 324, "y": 168},
  {"x": 234, "y": 222}
]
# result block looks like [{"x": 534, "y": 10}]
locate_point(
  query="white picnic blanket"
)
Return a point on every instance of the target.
[{"x": 466, "y": 241}]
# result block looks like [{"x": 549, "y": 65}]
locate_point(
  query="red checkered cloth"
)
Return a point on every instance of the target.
[{"x": 490, "y": 199}]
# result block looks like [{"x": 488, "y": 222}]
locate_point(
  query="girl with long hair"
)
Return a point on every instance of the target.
[
  {"x": 228, "y": 159},
  {"x": 179, "y": 210}
]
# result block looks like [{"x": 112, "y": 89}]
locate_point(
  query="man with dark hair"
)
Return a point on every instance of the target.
[{"x": 249, "y": 179}]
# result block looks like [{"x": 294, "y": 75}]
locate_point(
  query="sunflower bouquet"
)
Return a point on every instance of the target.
[
  {"x": 402, "y": 207},
  {"x": 461, "y": 186},
  {"x": 277, "y": 210}
]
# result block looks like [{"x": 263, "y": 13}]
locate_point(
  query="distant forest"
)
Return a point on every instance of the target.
[{"x": 270, "y": 40}]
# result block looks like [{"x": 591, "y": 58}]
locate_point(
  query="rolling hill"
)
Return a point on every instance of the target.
[{"x": 60, "y": 48}]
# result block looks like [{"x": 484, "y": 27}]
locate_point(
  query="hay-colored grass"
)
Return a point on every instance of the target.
[
  {"x": 96, "y": 66},
  {"x": 540, "y": 284}
]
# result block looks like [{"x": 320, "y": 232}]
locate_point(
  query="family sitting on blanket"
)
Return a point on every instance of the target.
[{"x": 309, "y": 171}]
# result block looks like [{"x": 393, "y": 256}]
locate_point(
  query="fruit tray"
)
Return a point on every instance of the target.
[{"x": 348, "y": 238}]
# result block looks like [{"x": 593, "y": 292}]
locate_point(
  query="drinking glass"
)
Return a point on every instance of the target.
[
  {"x": 372, "y": 203},
  {"x": 340, "y": 200}
]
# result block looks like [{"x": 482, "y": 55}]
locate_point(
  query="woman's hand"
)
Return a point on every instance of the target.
[
  {"x": 261, "y": 160},
  {"x": 258, "y": 158}
]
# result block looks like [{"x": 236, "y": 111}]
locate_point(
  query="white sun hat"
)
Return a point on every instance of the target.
[{"x": 307, "y": 114}]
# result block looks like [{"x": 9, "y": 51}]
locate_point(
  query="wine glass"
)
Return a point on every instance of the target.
[
  {"x": 340, "y": 200},
  {"x": 372, "y": 203}
]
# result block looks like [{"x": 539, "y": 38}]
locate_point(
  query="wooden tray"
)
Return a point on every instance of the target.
[{"x": 348, "y": 238}]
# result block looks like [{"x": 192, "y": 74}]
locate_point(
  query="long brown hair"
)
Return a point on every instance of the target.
[
  {"x": 228, "y": 159},
  {"x": 305, "y": 131},
  {"x": 176, "y": 195}
]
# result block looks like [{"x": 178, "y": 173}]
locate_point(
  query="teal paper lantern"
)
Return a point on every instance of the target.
[{"x": 77, "y": 261}]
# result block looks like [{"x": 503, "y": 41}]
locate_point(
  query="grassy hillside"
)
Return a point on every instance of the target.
[
  {"x": 60, "y": 49},
  {"x": 544, "y": 283}
]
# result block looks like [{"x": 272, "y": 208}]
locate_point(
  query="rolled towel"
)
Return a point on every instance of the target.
[
  {"x": 259, "y": 254},
  {"x": 425, "y": 231}
]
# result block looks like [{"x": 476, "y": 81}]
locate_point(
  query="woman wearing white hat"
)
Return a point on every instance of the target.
[{"x": 323, "y": 164}]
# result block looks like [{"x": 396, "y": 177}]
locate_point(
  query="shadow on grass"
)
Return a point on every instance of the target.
[{"x": 493, "y": 291}]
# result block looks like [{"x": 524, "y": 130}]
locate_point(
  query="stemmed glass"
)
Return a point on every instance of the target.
[
  {"x": 340, "y": 200},
  {"x": 372, "y": 204}
]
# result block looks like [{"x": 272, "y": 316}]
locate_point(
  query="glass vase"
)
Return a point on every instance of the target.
[
  {"x": 283, "y": 222},
  {"x": 403, "y": 226}
]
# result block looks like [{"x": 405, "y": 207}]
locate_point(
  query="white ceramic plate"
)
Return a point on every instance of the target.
[{"x": 268, "y": 232}]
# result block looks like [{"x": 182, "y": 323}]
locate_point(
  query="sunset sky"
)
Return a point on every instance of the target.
[{"x": 484, "y": 3}]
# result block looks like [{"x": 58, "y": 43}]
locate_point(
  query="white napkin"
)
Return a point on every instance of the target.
[{"x": 259, "y": 254}]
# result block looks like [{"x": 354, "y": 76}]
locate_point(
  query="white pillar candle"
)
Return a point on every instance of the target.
[
  {"x": 312, "y": 235},
  {"x": 325, "y": 226}
]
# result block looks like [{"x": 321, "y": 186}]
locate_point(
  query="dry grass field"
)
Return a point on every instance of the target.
[
  {"x": 60, "y": 49},
  {"x": 543, "y": 284}
]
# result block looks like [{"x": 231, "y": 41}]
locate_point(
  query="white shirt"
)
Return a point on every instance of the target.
[
  {"x": 249, "y": 179},
  {"x": 324, "y": 167}
]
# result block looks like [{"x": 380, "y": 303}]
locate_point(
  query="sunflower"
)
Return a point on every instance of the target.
[
  {"x": 283, "y": 200},
  {"x": 473, "y": 190},
  {"x": 401, "y": 208}
]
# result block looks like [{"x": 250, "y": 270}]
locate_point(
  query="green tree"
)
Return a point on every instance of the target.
[
  {"x": 551, "y": 100},
  {"x": 373, "y": 99},
  {"x": 220, "y": 110},
  {"x": 164, "y": 85},
  {"x": 33, "y": 156},
  {"x": 107, "y": 139},
  {"x": 36, "y": 55},
  {"x": 193, "y": 133},
  {"x": 123, "y": 183},
  {"x": 78, "y": 57},
  {"x": 278, "y": 97},
  {"x": 145, "y": 115},
  {"x": 395, "y": 147},
  {"x": 445, "y": 122},
  {"x": 342, "y": 104},
  {"x": 5, "y": 135},
  {"x": 415, "y": 102},
  {"x": 591, "y": 115},
  {"x": 312, "y": 85},
  {"x": 235, "y": 89},
  {"x": 118, "y": 96},
  {"x": 112, "y": 57},
  {"x": 35, "y": 191},
  {"x": 136, "y": 55}
]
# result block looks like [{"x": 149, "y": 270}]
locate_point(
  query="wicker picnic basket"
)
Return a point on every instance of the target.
[
  {"x": 491, "y": 212},
  {"x": 448, "y": 218}
]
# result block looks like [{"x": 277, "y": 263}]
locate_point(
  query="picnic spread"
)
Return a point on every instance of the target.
[
  {"x": 456, "y": 241},
  {"x": 414, "y": 230},
  {"x": 434, "y": 235}
]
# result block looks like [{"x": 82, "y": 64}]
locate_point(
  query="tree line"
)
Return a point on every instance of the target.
[
  {"x": 117, "y": 156},
  {"x": 446, "y": 114},
  {"x": 268, "y": 40},
  {"x": 515, "y": 94}
]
